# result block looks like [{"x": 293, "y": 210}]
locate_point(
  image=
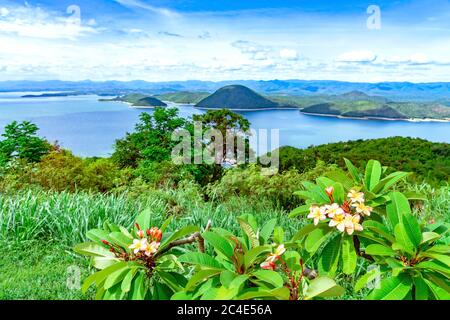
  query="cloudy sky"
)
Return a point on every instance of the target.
[{"x": 161, "y": 40}]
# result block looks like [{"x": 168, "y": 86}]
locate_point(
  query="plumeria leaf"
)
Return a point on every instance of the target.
[
  {"x": 379, "y": 250},
  {"x": 365, "y": 279},
  {"x": 201, "y": 259},
  {"x": 353, "y": 171},
  {"x": 270, "y": 277},
  {"x": 329, "y": 257},
  {"x": 372, "y": 174},
  {"x": 178, "y": 234},
  {"x": 253, "y": 254},
  {"x": 348, "y": 255},
  {"x": 267, "y": 230},
  {"x": 144, "y": 219},
  {"x": 316, "y": 238},
  {"x": 302, "y": 210},
  {"x": 221, "y": 244},
  {"x": 92, "y": 249},
  {"x": 392, "y": 288},
  {"x": 323, "y": 287}
]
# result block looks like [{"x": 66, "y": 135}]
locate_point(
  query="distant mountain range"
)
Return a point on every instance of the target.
[{"x": 398, "y": 91}]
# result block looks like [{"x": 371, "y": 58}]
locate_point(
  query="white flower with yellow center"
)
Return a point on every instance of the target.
[
  {"x": 362, "y": 209},
  {"x": 138, "y": 245},
  {"x": 151, "y": 248},
  {"x": 333, "y": 209},
  {"x": 352, "y": 223},
  {"x": 276, "y": 255},
  {"x": 338, "y": 221},
  {"x": 317, "y": 213},
  {"x": 355, "y": 196}
]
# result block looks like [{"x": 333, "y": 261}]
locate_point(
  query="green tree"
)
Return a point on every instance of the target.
[
  {"x": 151, "y": 140},
  {"x": 21, "y": 142}
]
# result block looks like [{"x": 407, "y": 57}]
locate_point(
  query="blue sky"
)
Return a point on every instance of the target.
[{"x": 164, "y": 40}]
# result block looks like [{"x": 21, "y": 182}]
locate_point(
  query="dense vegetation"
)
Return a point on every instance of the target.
[{"x": 50, "y": 198}]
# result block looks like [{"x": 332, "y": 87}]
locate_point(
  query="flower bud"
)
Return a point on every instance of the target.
[
  {"x": 140, "y": 233},
  {"x": 105, "y": 242},
  {"x": 329, "y": 191}
]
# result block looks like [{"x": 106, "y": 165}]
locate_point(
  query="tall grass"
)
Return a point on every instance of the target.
[{"x": 66, "y": 217}]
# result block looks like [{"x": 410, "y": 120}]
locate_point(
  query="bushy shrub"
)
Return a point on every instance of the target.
[{"x": 250, "y": 182}]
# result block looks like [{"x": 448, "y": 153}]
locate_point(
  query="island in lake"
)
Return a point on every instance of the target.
[
  {"x": 138, "y": 100},
  {"x": 238, "y": 97}
]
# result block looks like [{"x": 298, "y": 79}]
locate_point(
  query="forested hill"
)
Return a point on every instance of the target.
[
  {"x": 237, "y": 97},
  {"x": 427, "y": 160}
]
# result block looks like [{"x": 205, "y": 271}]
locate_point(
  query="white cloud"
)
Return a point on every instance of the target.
[
  {"x": 289, "y": 54},
  {"x": 140, "y": 5},
  {"x": 34, "y": 22},
  {"x": 4, "y": 12},
  {"x": 357, "y": 56}
]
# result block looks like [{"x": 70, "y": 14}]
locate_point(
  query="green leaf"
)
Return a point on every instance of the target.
[
  {"x": 267, "y": 229},
  {"x": 97, "y": 235},
  {"x": 127, "y": 280},
  {"x": 389, "y": 181},
  {"x": 412, "y": 229},
  {"x": 329, "y": 257},
  {"x": 200, "y": 259},
  {"x": 116, "y": 277},
  {"x": 303, "y": 232},
  {"x": 323, "y": 287},
  {"x": 365, "y": 279},
  {"x": 221, "y": 244},
  {"x": 278, "y": 235},
  {"x": 144, "y": 219},
  {"x": 100, "y": 276},
  {"x": 421, "y": 288},
  {"x": 429, "y": 237},
  {"x": 348, "y": 255},
  {"x": 392, "y": 288},
  {"x": 396, "y": 207},
  {"x": 93, "y": 249},
  {"x": 302, "y": 210},
  {"x": 253, "y": 254},
  {"x": 372, "y": 174},
  {"x": 270, "y": 277},
  {"x": 438, "y": 292},
  {"x": 378, "y": 228},
  {"x": 138, "y": 289},
  {"x": 178, "y": 234},
  {"x": 403, "y": 240},
  {"x": 379, "y": 250},
  {"x": 120, "y": 239},
  {"x": 353, "y": 171},
  {"x": 201, "y": 276},
  {"x": 315, "y": 239},
  {"x": 249, "y": 231}
]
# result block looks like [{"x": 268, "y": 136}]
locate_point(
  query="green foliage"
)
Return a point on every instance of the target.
[
  {"x": 425, "y": 160},
  {"x": 21, "y": 142},
  {"x": 414, "y": 259},
  {"x": 151, "y": 140}
]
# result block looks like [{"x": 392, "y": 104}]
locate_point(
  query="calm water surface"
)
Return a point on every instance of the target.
[{"x": 89, "y": 127}]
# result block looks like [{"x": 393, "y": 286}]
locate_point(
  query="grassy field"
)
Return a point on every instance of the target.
[{"x": 39, "y": 229}]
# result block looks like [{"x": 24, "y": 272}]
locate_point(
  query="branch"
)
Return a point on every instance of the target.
[
  {"x": 195, "y": 237},
  {"x": 360, "y": 253}
]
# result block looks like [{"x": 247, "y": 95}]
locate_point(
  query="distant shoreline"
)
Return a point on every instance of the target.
[
  {"x": 256, "y": 109},
  {"x": 376, "y": 118}
]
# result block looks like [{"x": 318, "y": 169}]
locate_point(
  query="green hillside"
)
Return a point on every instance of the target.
[
  {"x": 237, "y": 97},
  {"x": 187, "y": 97},
  {"x": 429, "y": 161},
  {"x": 139, "y": 100}
]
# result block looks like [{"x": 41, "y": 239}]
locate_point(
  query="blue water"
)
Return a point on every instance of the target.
[{"x": 89, "y": 127}]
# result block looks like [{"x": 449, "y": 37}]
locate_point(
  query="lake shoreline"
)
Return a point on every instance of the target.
[{"x": 375, "y": 118}]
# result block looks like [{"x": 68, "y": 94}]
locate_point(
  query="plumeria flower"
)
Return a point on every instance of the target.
[
  {"x": 355, "y": 196},
  {"x": 352, "y": 223},
  {"x": 151, "y": 248},
  {"x": 338, "y": 221},
  {"x": 276, "y": 255},
  {"x": 333, "y": 209},
  {"x": 316, "y": 213},
  {"x": 362, "y": 209},
  {"x": 267, "y": 265},
  {"x": 139, "y": 245}
]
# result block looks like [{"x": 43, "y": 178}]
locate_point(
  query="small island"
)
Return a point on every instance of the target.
[
  {"x": 239, "y": 98},
  {"x": 138, "y": 100}
]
